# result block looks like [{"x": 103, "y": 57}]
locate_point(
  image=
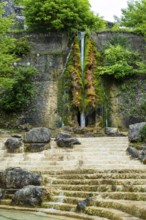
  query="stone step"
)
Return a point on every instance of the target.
[
  {"x": 135, "y": 208},
  {"x": 102, "y": 188},
  {"x": 135, "y": 196},
  {"x": 125, "y": 182},
  {"x": 53, "y": 212},
  {"x": 98, "y": 174},
  {"x": 109, "y": 213},
  {"x": 5, "y": 202},
  {"x": 78, "y": 163},
  {"x": 56, "y": 168}
]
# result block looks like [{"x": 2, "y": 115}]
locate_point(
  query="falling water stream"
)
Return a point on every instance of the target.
[{"x": 82, "y": 114}]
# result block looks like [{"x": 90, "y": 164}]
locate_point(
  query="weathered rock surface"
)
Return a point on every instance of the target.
[
  {"x": 13, "y": 144},
  {"x": 134, "y": 131},
  {"x": 133, "y": 152},
  {"x": 9, "y": 7},
  {"x": 36, "y": 147},
  {"x": 137, "y": 154},
  {"x": 17, "y": 178},
  {"x": 111, "y": 131},
  {"x": 37, "y": 135},
  {"x": 30, "y": 196},
  {"x": 66, "y": 140}
]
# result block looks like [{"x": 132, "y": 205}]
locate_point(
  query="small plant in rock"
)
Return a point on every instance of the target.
[{"x": 22, "y": 47}]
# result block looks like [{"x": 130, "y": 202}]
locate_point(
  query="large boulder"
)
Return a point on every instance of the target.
[
  {"x": 37, "y": 139},
  {"x": 37, "y": 135},
  {"x": 66, "y": 140},
  {"x": 13, "y": 144},
  {"x": 134, "y": 131},
  {"x": 30, "y": 196},
  {"x": 16, "y": 178}
]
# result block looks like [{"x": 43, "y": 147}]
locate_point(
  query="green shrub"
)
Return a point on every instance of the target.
[
  {"x": 22, "y": 47},
  {"x": 119, "y": 61},
  {"x": 18, "y": 96}
]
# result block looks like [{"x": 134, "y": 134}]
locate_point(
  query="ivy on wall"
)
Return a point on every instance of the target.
[{"x": 73, "y": 89}]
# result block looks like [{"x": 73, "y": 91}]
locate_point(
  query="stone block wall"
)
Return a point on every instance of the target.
[
  {"x": 48, "y": 52},
  {"x": 127, "y": 98}
]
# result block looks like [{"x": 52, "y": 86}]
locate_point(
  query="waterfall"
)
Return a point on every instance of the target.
[{"x": 82, "y": 113}]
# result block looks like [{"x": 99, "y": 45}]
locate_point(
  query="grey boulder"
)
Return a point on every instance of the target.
[
  {"x": 30, "y": 196},
  {"x": 66, "y": 140},
  {"x": 134, "y": 131},
  {"x": 16, "y": 178},
  {"x": 13, "y": 144},
  {"x": 37, "y": 135}
]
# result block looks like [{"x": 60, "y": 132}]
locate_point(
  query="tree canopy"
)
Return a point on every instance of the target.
[
  {"x": 61, "y": 15},
  {"x": 134, "y": 16}
]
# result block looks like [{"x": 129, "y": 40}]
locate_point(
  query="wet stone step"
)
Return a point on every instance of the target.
[
  {"x": 109, "y": 213},
  {"x": 73, "y": 215},
  {"x": 131, "y": 207},
  {"x": 5, "y": 202},
  {"x": 126, "y": 182},
  {"x": 112, "y": 176},
  {"x": 101, "y": 172},
  {"x": 110, "y": 195},
  {"x": 103, "y": 188},
  {"x": 123, "y": 196}
]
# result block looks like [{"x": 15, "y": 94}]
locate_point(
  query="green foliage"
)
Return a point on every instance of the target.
[
  {"x": 134, "y": 16},
  {"x": 120, "y": 61},
  {"x": 18, "y": 2},
  {"x": 21, "y": 48},
  {"x": 18, "y": 94},
  {"x": 7, "y": 43},
  {"x": 61, "y": 15},
  {"x": 143, "y": 133}
]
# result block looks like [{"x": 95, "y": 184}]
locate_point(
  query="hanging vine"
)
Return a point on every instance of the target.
[
  {"x": 72, "y": 82},
  {"x": 75, "y": 72},
  {"x": 90, "y": 67}
]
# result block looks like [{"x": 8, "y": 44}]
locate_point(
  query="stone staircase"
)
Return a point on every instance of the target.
[{"x": 99, "y": 167}]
